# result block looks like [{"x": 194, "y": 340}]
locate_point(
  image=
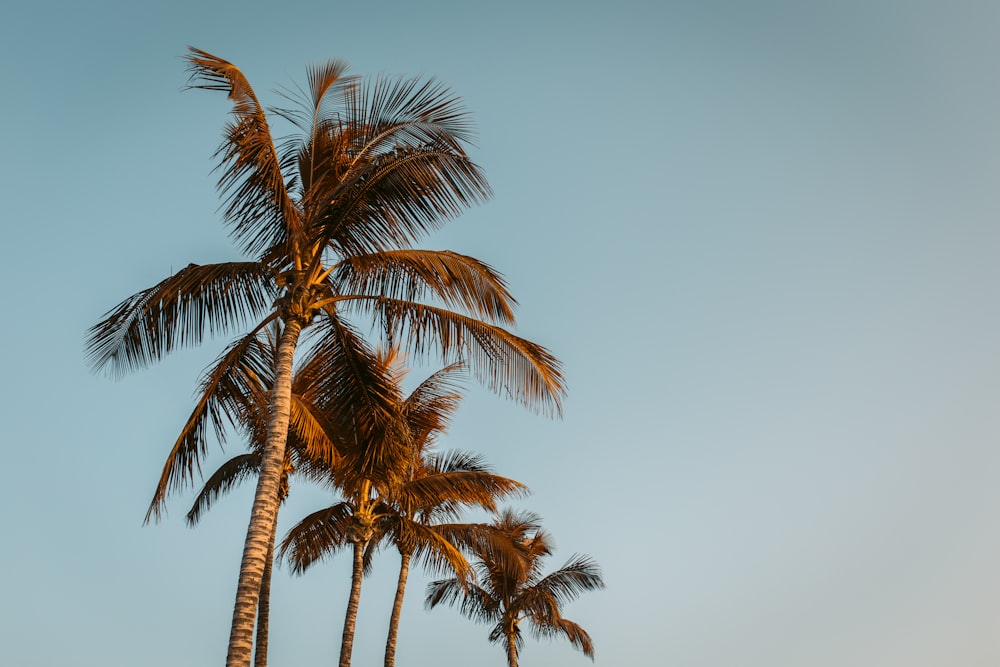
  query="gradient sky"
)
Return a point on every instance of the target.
[{"x": 762, "y": 236}]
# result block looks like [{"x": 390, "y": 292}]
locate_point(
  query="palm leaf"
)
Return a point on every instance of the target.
[
  {"x": 457, "y": 280},
  {"x": 179, "y": 312},
  {"x": 397, "y": 200},
  {"x": 227, "y": 391},
  {"x": 257, "y": 203},
  {"x": 576, "y": 635},
  {"x": 316, "y": 536},
  {"x": 229, "y": 475},
  {"x": 523, "y": 370}
]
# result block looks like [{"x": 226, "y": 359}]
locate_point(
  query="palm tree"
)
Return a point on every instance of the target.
[
  {"x": 327, "y": 221},
  {"x": 396, "y": 499},
  {"x": 427, "y": 411},
  {"x": 511, "y": 587}
]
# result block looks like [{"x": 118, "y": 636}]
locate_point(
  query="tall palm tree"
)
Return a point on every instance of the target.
[
  {"x": 326, "y": 221},
  {"x": 385, "y": 500},
  {"x": 511, "y": 588}
]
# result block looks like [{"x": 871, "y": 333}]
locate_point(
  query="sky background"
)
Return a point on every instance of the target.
[{"x": 762, "y": 237}]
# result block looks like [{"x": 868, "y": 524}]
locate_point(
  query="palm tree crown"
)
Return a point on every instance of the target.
[{"x": 511, "y": 587}]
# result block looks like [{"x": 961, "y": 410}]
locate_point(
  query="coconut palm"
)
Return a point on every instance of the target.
[
  {"x": 327, "y": 220},
  {"x": 511, "y": 588},
  {"x": 440, "y": 485},
  {"x": 396, "y": 500}
]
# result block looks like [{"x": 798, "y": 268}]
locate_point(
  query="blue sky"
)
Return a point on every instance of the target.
[{"x": 762, "y": 236}]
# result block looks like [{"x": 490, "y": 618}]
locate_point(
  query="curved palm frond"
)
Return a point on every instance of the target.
[
  {"x": 457, "y": 280},
  {"x": 323, "y": 100},
  {"x": 178, "y": 312},
  {"x": 358, "y": 400},
  {"x": 566, "y": 584},
  {"x": 317, "y": 535},
  {"x": 465, "y": 487},
  {"x": 229, "y": 475},
  {"x": 475, "y": 601},
  {"x": 431, "y": 547},
  {"x": 505, "y": 363},
  {"x": 429, "y": 408},
  {"x": 398, "y": 199},
  {"x": 228, "y": 390},
  {"x": 577, "y": 636},
  {"x": 257, "y": 203}
]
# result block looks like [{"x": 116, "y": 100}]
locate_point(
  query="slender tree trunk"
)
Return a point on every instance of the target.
[
  {"x": 350, "y": 619},
  {"x": 264, "y": 607},
  {"x": 511, "y": 650},
  {"x": 264, "y": 514},
  {"x": 397, "y": 608}
]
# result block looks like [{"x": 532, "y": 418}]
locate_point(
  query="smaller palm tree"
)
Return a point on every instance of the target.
[
  {"x": 394, "y": 490},
  {"x": 511, "y": 587}
]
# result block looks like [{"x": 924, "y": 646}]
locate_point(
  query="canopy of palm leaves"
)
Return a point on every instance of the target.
[{"x": 512, "y": 589}]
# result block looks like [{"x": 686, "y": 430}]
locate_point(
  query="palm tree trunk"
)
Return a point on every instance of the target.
[
  {"x": 263, "y": 516},
  {"x": 350, "y": 619},
  {"x": 397, "y": 608},
  {"x": 264, "y": 606},
  {"x": 511, "y": 650}
]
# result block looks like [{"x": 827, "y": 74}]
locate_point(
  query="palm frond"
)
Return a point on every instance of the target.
[
  {"x": 460, "y": 487},
  {"x": 228, "y": 390},
  {"x": 505, "y": 363},
  {"x": 309, "y": 434},
  {"x": 564, "y": 585},
  {"x": 432, "y": 548},
  {"x": 179, "y": 311},
  {"x": 397, "y": 200},
  {"x": 475, "y": 601},
  {"x": 429, "y": 408},
  {"x": 229, "y": 475},
  {"x": 455, "y": 461},
  {"x": 550, "y": 628},
  {"x": 391, "y": 111},
  {"x": 318, "y": 535},
  {"x": 358, "y": 400},
  {"x": 257, "y": 203},
  {"x": 457, "y": 280}
]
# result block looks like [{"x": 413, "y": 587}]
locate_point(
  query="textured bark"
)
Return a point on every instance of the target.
[
  {"x": 264, "y": 514},
  {"x": 397, "y": 608},
  {"x": 350, "y": 619},
  {"x": 264, "y": 606},
  {"x": 511, "y": 650}
]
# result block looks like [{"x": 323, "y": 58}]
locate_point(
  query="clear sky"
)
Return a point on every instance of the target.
[{"x": 762, "y": 236}]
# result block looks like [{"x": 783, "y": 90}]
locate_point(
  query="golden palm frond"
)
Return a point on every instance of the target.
[
  {"x": 467, "y": 488},
  {"x": 397, "y": 200},
  {"x": 316, "y": 536},
  {"x": 257, "y": 203},
  {"x": 179, "y": 311},
  {"x": 524, "y": 370},
  {"x": 458, "y": 281},
  {"x": 225, "y": 393}
]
